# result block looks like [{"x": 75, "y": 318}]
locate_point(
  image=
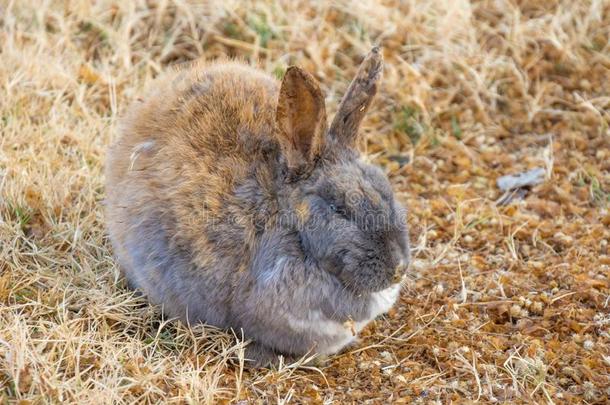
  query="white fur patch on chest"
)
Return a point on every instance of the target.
[
  {"x": 331, "y": 335},
  {"x": 382, "y": 301}
]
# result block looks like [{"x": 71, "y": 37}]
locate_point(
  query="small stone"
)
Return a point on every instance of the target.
[
  {"x": 439, "y": 289},
  {"x": 563, "y": 238},
  {"x": 386, "y": 355},
  {"x": 537, "y": 307}
]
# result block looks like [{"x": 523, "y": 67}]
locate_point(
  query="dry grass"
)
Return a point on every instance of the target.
[{"x": 506, "y": 304}]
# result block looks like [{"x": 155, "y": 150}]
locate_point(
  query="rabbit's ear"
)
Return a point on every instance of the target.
[
  {"x": 357, "y": 99},
  {"x": 300, "y": 117}
]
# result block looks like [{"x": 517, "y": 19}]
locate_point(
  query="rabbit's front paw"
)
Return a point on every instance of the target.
[{"x": 261, "y": 356}]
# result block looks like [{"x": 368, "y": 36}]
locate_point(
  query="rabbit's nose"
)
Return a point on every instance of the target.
[{"x": 399, "y": 271}]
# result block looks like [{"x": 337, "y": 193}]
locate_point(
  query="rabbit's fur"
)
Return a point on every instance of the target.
[{"x": 230, "y": 202}]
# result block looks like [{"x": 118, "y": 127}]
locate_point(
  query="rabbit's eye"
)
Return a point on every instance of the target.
[{"x": 338, "y": 209}]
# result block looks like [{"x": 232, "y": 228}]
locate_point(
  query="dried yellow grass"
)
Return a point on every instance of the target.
[{"x": 506, "y": 304}]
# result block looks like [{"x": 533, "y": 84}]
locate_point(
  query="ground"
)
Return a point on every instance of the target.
[{"x": 504, "y": 303}]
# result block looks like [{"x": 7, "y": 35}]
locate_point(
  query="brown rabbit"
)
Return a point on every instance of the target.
[{"x": 230, "y": 202}]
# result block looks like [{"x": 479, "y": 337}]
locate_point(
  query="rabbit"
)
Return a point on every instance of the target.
[{"x": 231, "y": 202}]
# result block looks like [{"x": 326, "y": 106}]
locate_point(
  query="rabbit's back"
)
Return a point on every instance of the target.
[
  {"x": 174, "y": 176},
  {"x": 224, "y": 110}
]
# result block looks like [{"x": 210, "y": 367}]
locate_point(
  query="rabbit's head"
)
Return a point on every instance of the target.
[{"x": 349, "y": 222}]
